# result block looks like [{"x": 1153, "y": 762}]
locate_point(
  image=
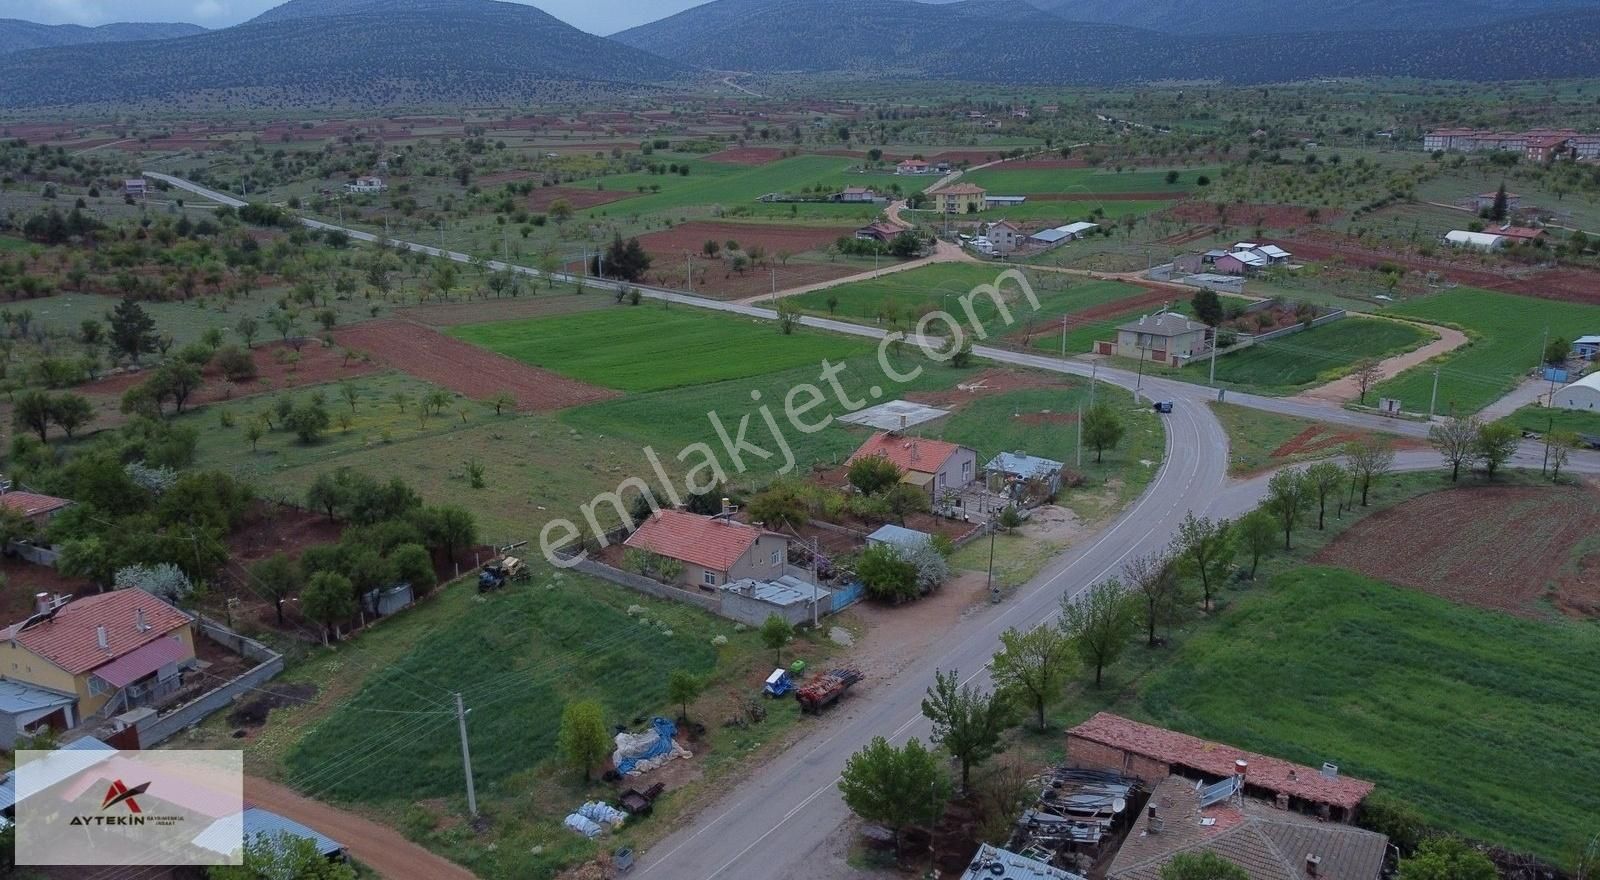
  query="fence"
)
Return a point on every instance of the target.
[
  {"x": 34, "y": 553},
  {"x": 269, "y": 664},
  {"x": 642, "y": 584}
]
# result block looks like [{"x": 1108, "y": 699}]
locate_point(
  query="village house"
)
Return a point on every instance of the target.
[
  {"x": 911, "y": 166},
  {"x": 135, "y": 188},
  {"x": 121, "y": 649},
  {"x": 1240, "y": 263},
  {"x": 712, "y": 549},
  {"x": 1586, "y": 347},
  {"x": 36, "y": 509},
  {"x": 1545, "y": 147},
  {"x": 959, "y": 198},
  {"x": 1518, "y": 234},
  {"x": 856, "y": 194},
  {"x": 366, "y": 185},
  {"x": 1011, "y": 472},
  {"x": 879, "y": 231},
  {"x": 1165, "y": 338},
  {"x": 1485, "y": 201},
  {"x": 930, "y": 465},
  {"x": 1005, "y": 237}
]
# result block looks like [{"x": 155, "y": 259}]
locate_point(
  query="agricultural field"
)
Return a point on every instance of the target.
[
  {"x": 1260, "y": 441},
  {"x": 1543, "y": 419},
  {"x": 1506, "y": 331},
  {"x": 650, "y": 348},
  {"x": 1022, "y": 180},
  {"x": 730, "y": 185},
  {"x": 1313, "y": 357}
]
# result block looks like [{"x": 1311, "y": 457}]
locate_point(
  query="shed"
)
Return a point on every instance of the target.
[
  {"x": 223, "y": 835},
  {"x": 1480, "y": 240},
  {"x": 1049, "y": 236},
  {"x": 900, "y": 537},
  {"x": 25, "y": 706},
  {"x": 994, "y": 863},
  {"x": 62, "y": 764},
  {"x": 751, "y": 602},
  {"x": 1020, "y": 466},
  {"x": 1586, "y": 347},
  {"x": 1583, "y": 394}
]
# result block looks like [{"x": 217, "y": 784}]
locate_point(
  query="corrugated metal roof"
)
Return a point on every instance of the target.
[
  {"x": 1078, "y": 228},
  {"x": 1049, "y": 236},
  {"x": 63, "y": 763},
  {"x": 783, "y": 592},
  {"x": 1024, "y": 464},
  {"x": 993, "y": 863},
  {"x": 227, "y": 834},
  {"x": 142, "y": 661},
  {"x": 899, "y": 536},
  {"x": 17, "y": 697}
]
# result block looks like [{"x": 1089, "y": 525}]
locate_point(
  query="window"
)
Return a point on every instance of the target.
[
  {"x": 774, "y": 557},
  {"x": 97, "y": 686},
  {"x": 710, "y": 578},
  {"x": 966, "y": 471}
]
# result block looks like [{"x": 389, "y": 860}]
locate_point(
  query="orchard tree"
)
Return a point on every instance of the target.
[
  {"x": 1153, "y": 579},
  {"x": 966, "y": 721},
  {"x": 1102, "y": 429},
  {"x": 1369, "y": 459},
  {"x": 896, "y": 788},
  {"x": 1032, "y": 665},
  {"x": 1495, "y": 444},
  {"x": 775, "y": 633},
  {"x": 1324, "y": 479},
  {"x": 1258, "y": 533},
  {"x": 1205, "y": 548},
  {"x": 1446, "y": 858},
  {"x": 328, "y": 599},
  {"x": 279, "y": 577},
  {"x": 1202, "y": 865},
  {"x": 584, "y": 739},
  {"x": 1454, "y": 440},
  {"x": 1288, "y": 496},
  {"x": 682, "y": 688},
  {"x": 873, "y": 474},
  {"x": 1366, "y": 374},
  {"x": 1100, "y": 620}
]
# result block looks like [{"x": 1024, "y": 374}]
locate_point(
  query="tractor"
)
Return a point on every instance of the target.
[{"x": 498, "y": 572}]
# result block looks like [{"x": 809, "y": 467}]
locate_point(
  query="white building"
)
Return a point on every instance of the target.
[
  {"x": 366, "y": 185},
  {"x": 1583, "y": 394},
  {"x": 1483, "y": 241}
]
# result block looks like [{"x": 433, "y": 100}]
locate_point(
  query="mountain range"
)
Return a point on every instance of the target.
[
  {"x": 17, "y": 35},
  {"x": 388, "y": 53}
]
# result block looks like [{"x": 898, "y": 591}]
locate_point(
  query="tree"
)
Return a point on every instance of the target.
[
  {"x": 1325, "y": 478},
  {"x": 897, "y": 788},
  {"x": 133, "y": 331},
  {"x": 1556, "y": 351},
  {"x": 1446, "y": 858},
  {"x": 247, "y": 328},
  {"x": 1153, "y": 578},
  {"x": 779, "y": 506},
  {"x": 872, "y": 474},
  {"x": 1031, "y": 665},
  {"x": 1454, "y": 440},
  {"x": 584, "y": 739},
  {"x": 1102, "y": 428},
  {"x": 1100, "y": 621},
  {"x": 501, "y": 400},
  {"x": 162, "y": 579},
  {"x": 1288, "y": 495},
  {"x": 448, "y": 527},
  {"x": 1207, "y": 307},
  {"x": 30, "y": 410},
  {"x": 1501, "y": 207},
  {"x": 1366, "y": 374},
  {"x": 1258, "y": 532},
  {"x": 282, "y": 855},
  {"x": 412, "y": 565},
  {"x": 327, "y": 599},
  {"x": 1369, "y": 459},
  {"x": 788, "y": 316},
  {"x": 350, "y": 394},
  {"x": 775, "y": 633},
  {"x": 682, "y": 687},
  {"x": 1562, "y": 443},
  {"x": 308, "y": 421},
  {"x": 886, "y": 575},
  {"x": 70, "y": 412},
  {"x": 1202, "y": 865},
  {"x": 278, "y": 577},
  {"x": 1206, "y": 549},
  {"x": 967, "y": 722},
  {"x": 560, "y": 210},
  {"x": 1495, "y": 444},
  {"x": 176, "y": 380}
]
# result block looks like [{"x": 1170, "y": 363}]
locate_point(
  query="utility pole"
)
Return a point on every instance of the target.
[
  {"x": 1138, "y": 384},
  {"x": 1213, "y": 380},
  {"x": 814, "y": 579},
  {"x": 1434, "y": 400},
  {"x": 1094, "y": 381},
  {"x": 994, "y": 594},
  {"x": 466, "y": 757},
  {"x": 1547, "y": 431},
  {"x": 1545, "y": 343},
  {"x": 1063, "y": 335},
  {"x": 774, "y": 287},
  {"x": 691, "y": 271},
  {"x": 1080, "y": 435}
]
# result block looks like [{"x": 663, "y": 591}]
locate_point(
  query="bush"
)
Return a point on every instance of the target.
[
  {"x": 885, "y": 575},
  {"x": 235, "y": 363},
  {"x": 873, "y": 474}
]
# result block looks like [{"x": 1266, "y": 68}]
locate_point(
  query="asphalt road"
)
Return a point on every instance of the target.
[{"x": 773, "y": 821}]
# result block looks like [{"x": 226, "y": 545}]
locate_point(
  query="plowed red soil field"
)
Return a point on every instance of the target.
[
  {"x": 691, "y": 237},
  {"x": 1455, "y": 544},
  {"x": 747, "y": 155},
  {"x": 466, "y": 369},
  {"x": 1566, "y": 285},
  {"x": 579, "y": 197},
  {"x": 1102, "y": 197}
]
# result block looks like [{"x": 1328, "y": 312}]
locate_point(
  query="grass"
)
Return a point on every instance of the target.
[
  {"x": 1082, "y": 335},
  {"x": 1004, "y": 180},
  {"x": 1405, "y": 690},
  {"x": 1506, "y": 331},
  {"x": 186, "y": 321},
  {"x": 1047, "y": 213},
  {"x": 1253, "y": 435},
  {"x": 910, "y": 293},
  {"x": 1542, "y": 419},
  {"x": 649, "y": 348},
  {"x": 731, "y": 185},
  {"x": 1316, "y": 356}
]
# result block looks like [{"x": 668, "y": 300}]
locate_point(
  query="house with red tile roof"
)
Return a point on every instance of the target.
[
  {"x": 37, "y": 508},
  {"x": 1519, "y": 234},
  {"x": 1153, "y": 753},
  {"x": 126, "y": 645},
  {"x": 930, "y": 465},
  {"x": 713, "y": 549}
]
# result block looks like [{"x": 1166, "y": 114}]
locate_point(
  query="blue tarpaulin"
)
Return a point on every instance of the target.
[{"x": 665, "y": 731}]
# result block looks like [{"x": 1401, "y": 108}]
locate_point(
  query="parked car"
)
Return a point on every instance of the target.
[{"x": 1163, "y": 406}]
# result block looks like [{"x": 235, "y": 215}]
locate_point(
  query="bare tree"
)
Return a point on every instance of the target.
[
  {"x": 1154, "y": 578},
  {"x": 1454, "y": 441},
  {"x": 1366, "y": 374},
  {"x": 1561, "y": 445},
  {"x": 1369, "y": 459}
]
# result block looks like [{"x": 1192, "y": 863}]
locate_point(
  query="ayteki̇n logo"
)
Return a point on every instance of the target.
[{"x": 119, "y": 793}]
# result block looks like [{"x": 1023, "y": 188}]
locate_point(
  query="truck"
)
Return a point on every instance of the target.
[
  {"x": 824, "y": 690},
  {"x": 498, "y": 572}
]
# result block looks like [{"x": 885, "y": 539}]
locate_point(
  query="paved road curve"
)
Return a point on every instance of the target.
[{"x": 771, "y": 823}]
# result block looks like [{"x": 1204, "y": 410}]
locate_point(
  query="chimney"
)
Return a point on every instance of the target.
[
  {"x": 1241, "y": 767},
  {"x": 41, "y": 603},
  {"x": 727, "y": 507},
  {"x": 1313, "y": 864},
  {"x": 1330, "y": 771},
  {"x": 139, "y": 620},
  {"x": 902, "y": 422},
  {"x": 100, "y": 638}
]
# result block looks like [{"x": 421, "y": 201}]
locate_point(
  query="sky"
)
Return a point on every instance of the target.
[{"x": 595, "y": 16}]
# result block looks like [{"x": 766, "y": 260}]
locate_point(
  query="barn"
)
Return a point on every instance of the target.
[{"x": 1583, "y": 394}]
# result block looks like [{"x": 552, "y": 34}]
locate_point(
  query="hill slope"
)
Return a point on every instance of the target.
[
  {"x": 1300, "y": 16},
  {"x": 971, "y": 41},
  {"x": 394, "y": 52},
  {"x": 17, "y": 35}
]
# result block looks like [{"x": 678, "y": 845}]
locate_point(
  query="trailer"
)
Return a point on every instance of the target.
[
  {"x": 639, "y": 803},
  {"x": 826, "y": 689}
]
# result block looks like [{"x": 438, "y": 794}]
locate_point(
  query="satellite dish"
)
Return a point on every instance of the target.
[{"x": 1119, "y": 804}]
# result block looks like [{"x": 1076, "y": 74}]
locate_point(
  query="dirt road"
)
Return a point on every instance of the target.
[
  {"x": 381, "y": 848},
  {"x": 1347, "y": 389}
]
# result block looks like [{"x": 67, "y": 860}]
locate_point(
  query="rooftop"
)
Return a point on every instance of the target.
[
  {"x": 1164, "y": 324},
  {"x": 1268, "y": 843},
  {"x": 69, "y": 638},
  {"x": 899, "y": 536},
  {"x": 993, "y": 863},
  {"x": 225, "y": 833},
  {"x": 910, "y": 454},
  {"x": 17, "y": 697},
  {"x": 783, "y": 592},
  {"x": 30, "y": 504},
  {"x": 960, "y": 189},
  {"x": 1024, "y": 464},
  {"x": 1217, "y": 759},
  {"x": 709, "y": 542}
]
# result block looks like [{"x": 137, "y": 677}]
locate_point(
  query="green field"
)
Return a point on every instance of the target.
[
  {"x": 1082, "y": 335},
  {"x": 731, "y": 185},
  {"x": 1253, "y": 435},
  {"x": 1541, "y": 419},
  {"x": 942, "y": 285},
  {"x": 1049, "y": 213},
  {"x": 1005, "y": 180},
  {"x": 1506, "y": 331},
  {"x": 1313, "y": 357},
  {"x": 1405, "y": 690},
  {"x": 648, "y": 348}
]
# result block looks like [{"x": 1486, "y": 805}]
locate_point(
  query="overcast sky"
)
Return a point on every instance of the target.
[{"x": 594, "y": 16}]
